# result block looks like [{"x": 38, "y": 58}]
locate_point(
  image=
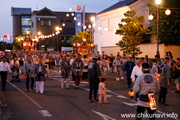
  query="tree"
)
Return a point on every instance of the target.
[
  {"x": 17, "y": 41},
  {"x": 169, "y": 26},
  {"x": 78, "y": 38},
  {"x": 132, "y": 32}
]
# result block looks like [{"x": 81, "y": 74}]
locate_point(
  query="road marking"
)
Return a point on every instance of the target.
[
  {"x": 25, "y": 95},
  {"x": 121, "y": 96},
  {"x": 108, "y": 96},
  {"x": 130, "y": 104},
  {"x": 105, "y": 117},
  {"x": 45, "y": 113}
]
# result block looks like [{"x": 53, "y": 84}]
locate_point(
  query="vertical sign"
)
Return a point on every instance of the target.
[{"x": 78, "y": 18}]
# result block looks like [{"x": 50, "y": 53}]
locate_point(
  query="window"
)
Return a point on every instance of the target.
[
  {"x": 45, "y": 22},
  {"x": 25, "y": 24},
  {"x": 42, "y": 23},
  {"x": 49, "y": 23}
]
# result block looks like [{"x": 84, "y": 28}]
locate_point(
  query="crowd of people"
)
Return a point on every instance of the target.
[{"x": 144, "y": 75}]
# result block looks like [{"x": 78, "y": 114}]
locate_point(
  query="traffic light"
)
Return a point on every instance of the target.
[{"x": 7, "y": 36}]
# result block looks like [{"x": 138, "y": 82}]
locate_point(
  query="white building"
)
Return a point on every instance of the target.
[{"x": 108, "y": 20}]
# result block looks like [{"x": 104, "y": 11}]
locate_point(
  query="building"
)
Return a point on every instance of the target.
[
  {"x": 107, "y": 23},
  {"x": 21, "y": 20},
  {"x": 45, "y": 21}
]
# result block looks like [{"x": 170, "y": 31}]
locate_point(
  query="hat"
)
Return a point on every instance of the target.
[
  {"x": 166, "y": 59},
  {"x": 95, "y": 58}
]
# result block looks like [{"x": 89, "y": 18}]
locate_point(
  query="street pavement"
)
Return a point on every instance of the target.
[{"x": 73, "y": 104}]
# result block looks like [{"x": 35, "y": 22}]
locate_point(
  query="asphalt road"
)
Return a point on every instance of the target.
[{"x": 73, "y": 104}]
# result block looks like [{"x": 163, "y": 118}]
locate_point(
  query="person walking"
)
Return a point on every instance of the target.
[
  {"x": 128, "y": 67},
  {"x": 65, "y": 69},
  {"x": 102, "y": 92},
  {"x": 164, "y": 82},
  {"x": 28, "y": 68},
  {"x": 39, "y": 72},
  {"x": 145, "y": 84},
  {"x": 77, "y": 67},
  {"x": 4, "y": 69},
  {"x": 137, "y": 71},
  {"x": 94, "y": 77},
  {"x": 117, "y": 63},
  {"x": 177, "y": 72}
]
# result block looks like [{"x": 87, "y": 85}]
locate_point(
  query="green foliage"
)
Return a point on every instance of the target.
[
  {"x": 17, "y": 41},
  {"x": 78, "y": 38},
  {"x": 169, "y": 26},
  {"x": 132, "y": 33}
]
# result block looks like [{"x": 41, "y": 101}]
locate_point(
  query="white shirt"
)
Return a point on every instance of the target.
[
  {"x": 4, "y": 67},
  {"x": 136, "y": 71}
]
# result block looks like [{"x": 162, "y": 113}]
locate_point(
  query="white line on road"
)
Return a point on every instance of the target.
[
  {"x": 25, "y": 95},
  {"x": 105, "y": 117},
  {"x": 130, "y": 104},
  {"x": 45, "y": 113}
]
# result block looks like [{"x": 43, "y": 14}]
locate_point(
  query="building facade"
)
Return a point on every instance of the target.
[
  {"x": 45, "y": 21},
  {"x": 21, "y": 18},
  {"x": 107, "y": 24}
]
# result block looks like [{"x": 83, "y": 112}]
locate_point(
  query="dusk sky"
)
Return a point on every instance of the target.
[{"x": 55, "y": 5}]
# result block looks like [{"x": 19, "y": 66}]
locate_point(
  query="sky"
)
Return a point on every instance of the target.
[{"x": 54, "y": 5}]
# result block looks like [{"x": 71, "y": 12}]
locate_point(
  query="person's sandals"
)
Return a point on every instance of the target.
[{"x": 106, "y": 102}]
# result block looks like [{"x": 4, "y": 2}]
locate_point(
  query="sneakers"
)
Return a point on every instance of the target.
[{"x": 117, "y": 79}]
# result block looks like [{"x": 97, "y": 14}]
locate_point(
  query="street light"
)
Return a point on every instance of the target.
[
  {"x": 84, "y": 27},
  {"x": 39, "y": 33},
  {"x": 151, "y": 17},
  {"x": 168, "y": 12},
  {"x": 158, "y": 2},
  {"x": 93, "y": 18},
  {"x": 57, "y": 29}
]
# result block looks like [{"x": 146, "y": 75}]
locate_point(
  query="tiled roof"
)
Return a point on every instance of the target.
[{"x": 121, "y": 3}]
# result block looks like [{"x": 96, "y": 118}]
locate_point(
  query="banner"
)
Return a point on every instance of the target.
[{"x": 78, "y": 18}]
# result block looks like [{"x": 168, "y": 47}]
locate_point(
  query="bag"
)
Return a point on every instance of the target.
[
  {"x": 152, "y": 101},
  {"x": 160, "y": 68}
]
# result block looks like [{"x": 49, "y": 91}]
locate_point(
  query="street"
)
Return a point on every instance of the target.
[{"x": 73, "y": 104}]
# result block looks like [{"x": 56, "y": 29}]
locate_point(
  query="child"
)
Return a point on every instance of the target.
[
  {"x": 102, "y": 91},
  {"x": 15, "y": 74}
]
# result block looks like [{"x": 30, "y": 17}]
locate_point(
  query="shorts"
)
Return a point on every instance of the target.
[{"x": 177, "y": 80}]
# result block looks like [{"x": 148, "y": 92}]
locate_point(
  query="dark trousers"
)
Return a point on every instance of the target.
[
  {"x": 27, "y": 83},
  {"x": 140, "y": 110},
  {"x": 129, "y": 81},
  {"x": 77, "y": 80},
  {"x": 162, "y": 94},
  {"x": 3, "y": 78},
  {"x": 95, "y": 93},
  {"x": 73, "y": 77},
  {"x": 85, "y": 75}
]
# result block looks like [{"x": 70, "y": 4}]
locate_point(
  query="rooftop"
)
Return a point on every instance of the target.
[
  {"x": 20, "y": 11},
  {"x": 121, "y": 3}
]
